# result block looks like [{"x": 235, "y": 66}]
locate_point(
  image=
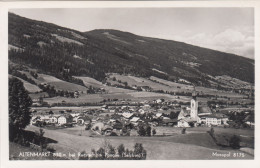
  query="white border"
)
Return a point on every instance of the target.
[{"x": 4, "y": 6}]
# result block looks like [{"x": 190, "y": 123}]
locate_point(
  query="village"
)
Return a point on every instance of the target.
[{"x": 127, "y": 120}]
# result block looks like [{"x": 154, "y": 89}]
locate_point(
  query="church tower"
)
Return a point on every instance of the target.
[{"x": 194, "y": 105}]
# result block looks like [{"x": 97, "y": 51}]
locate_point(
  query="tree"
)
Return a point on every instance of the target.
[
  {"x": 234, "y": 142},
  {"x": 141, "y": 131},
  {"x": 40, "y": 139},
  {"x": 212, "y": 132},
  {"x": 183, "y": 131},
  {"x": 154, "y": 132},
  {"x": 173, "y": 115},
  {"x": 148, "y": 130},
  {"x": 121, "y": 150},
  {"x": 101, "y": 153},
  {"x": 139, "y": 150},
  {"x": 19, "y": 111},
  {"x": 111, "y": 150},
  {"x": 83, "y": 156}
]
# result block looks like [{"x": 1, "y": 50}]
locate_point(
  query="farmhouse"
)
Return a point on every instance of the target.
[
  {"x": 83, "y": 120},
  {"x": 64, "y": 119},
  {"x": 53, "y": 119},
  {"x": 135, "y": 120}
]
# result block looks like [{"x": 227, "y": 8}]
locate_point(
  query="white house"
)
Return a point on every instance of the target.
[
  {"x": 53, "y": 119},
  {"x": 210, "y": 120},
  {"x": 64, "y": 119}
]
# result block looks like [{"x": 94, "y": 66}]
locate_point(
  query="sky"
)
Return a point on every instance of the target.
[{"x": 225, "y": 29}]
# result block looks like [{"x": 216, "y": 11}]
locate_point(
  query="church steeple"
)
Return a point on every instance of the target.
[
  {"x": 194, "y": 93},
  {"x": 194, "y": 105}
]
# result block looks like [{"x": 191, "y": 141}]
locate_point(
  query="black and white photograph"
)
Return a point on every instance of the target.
[{"x": 131, "y": 83}]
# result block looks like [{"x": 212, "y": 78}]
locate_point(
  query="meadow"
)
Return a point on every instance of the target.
[{"x": 177, "y": 148}]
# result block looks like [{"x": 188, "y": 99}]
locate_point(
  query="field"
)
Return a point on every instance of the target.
[
  {"x": 189, "y": 146},
  {"x": 161, "y": 84},
  {"x": 123, "y": 94},
  {"x": 28, "y": 86},
  {"x": 57, "y": 83},
  {"x": 94, "y": 83}
]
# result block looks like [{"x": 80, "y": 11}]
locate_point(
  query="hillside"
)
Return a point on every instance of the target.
[{"x": 63, "y": 53}]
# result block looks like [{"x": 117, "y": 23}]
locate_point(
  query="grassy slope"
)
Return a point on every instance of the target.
[
  {"x": 156, "y": 148},
  {"x": 28, "y": 86},
  {"x": 15, "y": 149},
  {"x": 57, "y": 83}
]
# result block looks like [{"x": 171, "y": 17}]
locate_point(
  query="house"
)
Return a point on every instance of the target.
[
  {"x": 98, "y": 126},
  {"x": 158, "y": 115},
  {"x": 106, "y": 130},
  {"x": 146, "y": 107},
  {"x": 210, "y": 120},
  {"x": 158, "y": 101},
  {"x": 135, "y": 120},
  {"x": 250, "y": 120},
  {"x": 76, "y": 94},
  {"x": 65, "y": 119},
  {"x": 53, "y": 119},
  {"x": 83, "y": 120},
  {"x": 184, "y": 113},
  {"x": 128, "y": 115},
  {"x": 146, "y": 88},
  {"x": 141, "y": 111},
  {"x": 34, "y": 119},
  {"x": 104, "y": 107},
  {"x": 186, "y": 122},
  {"x": 165, "y": 118},
  {"x": 117, "y": 125},
  {"x": 169, "y": 122}
]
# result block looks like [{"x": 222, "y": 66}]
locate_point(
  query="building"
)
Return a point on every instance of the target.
[
  {"x": 194, "y": 106},
  {"x": 209, "y": 120},
  {"x": 53, "y": 119},
  {"x": 65, "y": 119},
  {"x": 135, "y": 120},
  {"x": 106, "y": 130},
  {"x": 199, "y": 115}
]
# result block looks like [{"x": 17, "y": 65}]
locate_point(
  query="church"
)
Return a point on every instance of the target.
[{"x": 199, "y": 115}]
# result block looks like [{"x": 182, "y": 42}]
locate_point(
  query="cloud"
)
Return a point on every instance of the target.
[{"x": 240, "y": 42}]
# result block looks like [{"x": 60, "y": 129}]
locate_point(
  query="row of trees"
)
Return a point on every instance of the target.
[{"x": 108, "y": 152}]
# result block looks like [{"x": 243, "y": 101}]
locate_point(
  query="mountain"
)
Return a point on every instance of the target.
[{"x": 64, "y": 53}]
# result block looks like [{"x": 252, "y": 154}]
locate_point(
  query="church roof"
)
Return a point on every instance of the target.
[{"x": 204, "y": 109}]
